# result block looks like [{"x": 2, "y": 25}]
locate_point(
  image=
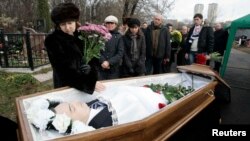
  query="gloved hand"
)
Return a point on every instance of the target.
[
  {"x": 85, "y": 69},
  {"x": 131, "y": 71}
]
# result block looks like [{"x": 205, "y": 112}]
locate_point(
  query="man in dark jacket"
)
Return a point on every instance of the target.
[
  {"x": 200, "y": 40},
  {"x": 220, "y": 43},
  {"x": 158, "y": 47},
  {"x": 111, "y": 56},
  {"x": 181, "y": 51}
]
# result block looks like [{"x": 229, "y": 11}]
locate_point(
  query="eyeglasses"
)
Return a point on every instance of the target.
[{"x": 109, "y": 23}]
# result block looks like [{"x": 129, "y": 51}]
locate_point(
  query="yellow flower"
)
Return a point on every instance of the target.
[{"x": 176, "y": 36}]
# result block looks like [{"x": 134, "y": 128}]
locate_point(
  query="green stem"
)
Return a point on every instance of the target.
[{"x": 85, "y": 51}]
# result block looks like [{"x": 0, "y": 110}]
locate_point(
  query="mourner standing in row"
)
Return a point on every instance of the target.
[
  {"x": 181, "y": 60},
  {"x": 65, "y": 52},
  {"x": 200, "y": 40},
  {"x": 158, "y": 47},
  {"x": 111, "y": 56},
  {"x": 134, "y": 50},
  {"x": 220, "y": 43},
  {"x": 175, "y": 41}
]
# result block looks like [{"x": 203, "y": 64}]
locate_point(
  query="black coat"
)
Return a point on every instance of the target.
[
  {"x": 220, "y": 38},
  {"x": 138, "y": 65},
  {"x": 113, "y": 51},
  {"x": 205, "y": 41},
  {"x": 164, "y": 47},
  {"x": 65, "y": 54}
]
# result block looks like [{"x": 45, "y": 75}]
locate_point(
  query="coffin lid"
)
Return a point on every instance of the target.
[{"x": 202, "y": 69}]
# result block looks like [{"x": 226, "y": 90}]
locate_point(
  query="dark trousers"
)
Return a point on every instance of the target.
[
  {"x": 109, "y": 74},
  {"x": 217, "y": 66},
  {"x": 181, "y": 60},
  {"x": 155, "y": 64}
]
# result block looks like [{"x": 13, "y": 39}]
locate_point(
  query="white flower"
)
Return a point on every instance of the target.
[
  {"x": 95, "y": 35},
  {"x": 80, "y": 127},
  {"x": 40, "y": 104},
  {"x": 61, "y": 122},
  {"x": 40, "y": 117},
  {"x": 90, "y": 36},
  {"x": 56, "y": 99}
]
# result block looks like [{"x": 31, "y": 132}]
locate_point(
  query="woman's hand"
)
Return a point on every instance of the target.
[
  {"x": 186, "y": 56},
  {"x": 99, "y": 87},
  {"x": 105, "y": 65}
]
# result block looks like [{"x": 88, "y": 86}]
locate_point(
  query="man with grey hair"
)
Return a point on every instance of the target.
[
  {"x": 181, "y": 50},
  {"x": 220, "y": 42},
  {"x": 158, "y": 47}
]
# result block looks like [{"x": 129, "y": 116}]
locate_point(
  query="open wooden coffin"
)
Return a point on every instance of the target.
[{"x": 158, "y": 126}]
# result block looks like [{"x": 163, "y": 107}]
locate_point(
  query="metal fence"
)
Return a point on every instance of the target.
[{"x": 22, "y": 50}]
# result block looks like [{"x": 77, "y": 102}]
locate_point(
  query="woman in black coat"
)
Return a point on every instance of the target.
[
  {"x": 65, "y": 51},
  {"x": 134, "y": 50}
]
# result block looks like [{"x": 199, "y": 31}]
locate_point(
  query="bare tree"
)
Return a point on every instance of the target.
[
  {"x": 91, "y": 10},
  {"x": 145, "y": 9},
  {"x": 129, "y": 8}
]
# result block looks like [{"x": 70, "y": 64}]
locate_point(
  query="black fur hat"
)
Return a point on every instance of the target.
[
  {"x": 64, "y": 12},
  {"x": 133, "y": 22}
]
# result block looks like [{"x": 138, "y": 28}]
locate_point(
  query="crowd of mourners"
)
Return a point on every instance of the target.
[
  {"x": 138, "y": 49},
  {"x": 135, "y": 48}
]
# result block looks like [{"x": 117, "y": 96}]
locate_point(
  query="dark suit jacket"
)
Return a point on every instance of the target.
[{"x": 102, "y": 119}]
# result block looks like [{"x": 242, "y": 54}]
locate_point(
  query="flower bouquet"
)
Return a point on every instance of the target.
[
  {"x": 170, "y": 92},
  {"x": 176, "y": 36},
  {"x": 94, "y": 37},
  {"x": 201, "y": 59}
]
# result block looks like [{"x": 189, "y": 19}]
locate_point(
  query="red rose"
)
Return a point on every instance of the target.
[
  {"x": 161, "y": 105},
  {"x": 158, "y": 91},
  {"x": 201, "y": 59}
]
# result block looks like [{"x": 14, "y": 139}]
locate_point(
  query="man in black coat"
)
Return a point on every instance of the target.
[
  {"x": 200, "y": 40},
  {"x": 158, "y": 48},
  {"x": 220, "y": 43}
]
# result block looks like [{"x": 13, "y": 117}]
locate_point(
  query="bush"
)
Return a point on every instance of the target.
[
  {"x": 20, "y": 79},
  {"x": 13, "y": 85}
]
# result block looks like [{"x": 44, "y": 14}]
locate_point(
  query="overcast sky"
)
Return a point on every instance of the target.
[{"x": 227, "y": 9}]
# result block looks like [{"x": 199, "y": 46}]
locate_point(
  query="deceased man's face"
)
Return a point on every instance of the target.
[{"x": 75, "y": 110}]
